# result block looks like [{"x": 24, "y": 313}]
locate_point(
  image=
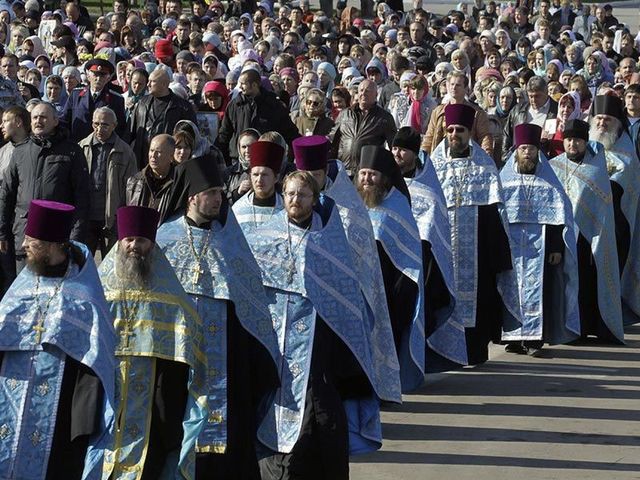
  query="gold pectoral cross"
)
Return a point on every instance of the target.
[
  {"x": 125, "y": 334},
  {"x": 197, "y": 271},
  {"x": 39, "y": 329}
]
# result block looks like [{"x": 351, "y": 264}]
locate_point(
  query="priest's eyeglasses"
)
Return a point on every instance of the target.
[
  {"x": 456, "y": 129},
  {"x": 292, "y": 195}
]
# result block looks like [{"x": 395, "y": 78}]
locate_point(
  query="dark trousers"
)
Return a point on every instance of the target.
[
  {"x": 7, "y": 268},
  {"x": 322, "y": 450},
  {"x": 99, "y": 237}
]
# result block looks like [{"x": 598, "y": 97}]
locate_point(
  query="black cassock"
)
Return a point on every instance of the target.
[
  {"x": 591, "y": 322},
  {"x": 250, "y": 375},
  {"x": 494, "y": 256},
  {"x": 322, "y": 449}
]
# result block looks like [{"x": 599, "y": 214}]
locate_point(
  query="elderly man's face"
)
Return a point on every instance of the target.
[
  {"x": 103, "y": 126},
  {"x": 98, "y": 80},
  {"x": 604, "y": 123},
  {"x": 627, "y": 67},
  {"x": 367, "y": 93},
  {"x": 43, "y": 119}
]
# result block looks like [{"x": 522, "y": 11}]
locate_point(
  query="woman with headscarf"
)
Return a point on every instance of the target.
[
  {"x": 137, "y": 88},
  {"x": 32, "y": 47},
  {"x": 55, "y": 93},
  {"x": 290, "y": 80},
  {"x": 215, "y": 98},
  {"x": 412, "y": 106},
  {"x": 568, "y": 109},
  {"x": 349, "y": 14},
  {"x": 503, "y": 41},
  {"x": 312, "y": 118},
  {"x": 460, "y": 62},
  {"x": 236, "y": 176},
  {"x": 596, "y": 69},
  {"x": 246, "y": 25},
  {"x": 506, "y": 100},
  {"x": 327, "y": 75}
]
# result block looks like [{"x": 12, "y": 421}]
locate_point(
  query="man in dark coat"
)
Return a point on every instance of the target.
[
  {"x": 366, "y": 123},
  {"x": 156, "y": 113},
  {"x": 78, "y": 111},
  {"x": 253, "y": 108},
  {"x": 49, "y": 167}
]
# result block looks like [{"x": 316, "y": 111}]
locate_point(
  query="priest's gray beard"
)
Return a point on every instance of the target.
[
  {"x": 134, "y": 268},
  {"x": 608, "y": 138},
  {"x": 373, "y": 196}
]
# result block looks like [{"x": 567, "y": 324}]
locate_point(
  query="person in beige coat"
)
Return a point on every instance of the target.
[
  {"x": 110, "y": 163},
  {"x": 481, "y": 131}
]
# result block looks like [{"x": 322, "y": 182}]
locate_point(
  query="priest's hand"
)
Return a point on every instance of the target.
[
  {"x": 555, "y": 258},
  {"x": 4, "y": 246}
]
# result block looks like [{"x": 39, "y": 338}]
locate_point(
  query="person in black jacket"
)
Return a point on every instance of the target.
[
  {"x": 156, "y": 114},
  {"x": 253, "y": 108},
  {"x": 47, "y": 167}
]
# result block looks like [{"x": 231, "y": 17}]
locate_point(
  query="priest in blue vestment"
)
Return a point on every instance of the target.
[
  {"x": 446, "y": 346},
  {"x": 160, "y": 358},
  {"x": 386, "y": 196},
  {"x": 624, "y": 174},
  {"x": 479, "y": 232},
  {"x": 311, "y": 154},
  {"x": 543, "y": 248},
  {"x": 56, "y": 356},
  {"x": 582, "y": 170},
  {"x": 215, "y": 266},
  {"x": 263, "y": 200},
  {"x": 318, "y": 314}
]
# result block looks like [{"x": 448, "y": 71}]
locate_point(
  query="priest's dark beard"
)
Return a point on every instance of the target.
[
  {"x": 526, "y": 166},
  {"x": 576, "y": 157},
  {"x": 135, "y": 269},
  {"x": 373, "y": 196}
]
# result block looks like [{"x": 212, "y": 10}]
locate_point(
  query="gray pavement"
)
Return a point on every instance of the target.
[{"x": 572, "y": 414}]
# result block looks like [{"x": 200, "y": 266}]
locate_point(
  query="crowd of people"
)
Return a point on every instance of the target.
[{"x": 230, "y": 233}]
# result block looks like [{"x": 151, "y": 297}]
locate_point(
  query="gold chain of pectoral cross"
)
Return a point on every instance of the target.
[
  {"x": 197, "y": 268},
  {"x": 129, "y": 315},
  {"x": 39, "y": 326},
  {"x": 567, "y": 177}
]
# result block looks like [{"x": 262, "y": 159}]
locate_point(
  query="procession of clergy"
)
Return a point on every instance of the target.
[{"x": 260, "y": 341}]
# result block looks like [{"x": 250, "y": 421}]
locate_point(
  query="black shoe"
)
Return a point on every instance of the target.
[
  {"x": 535, "y": 352},
  {"x": 517, "y": 348}
]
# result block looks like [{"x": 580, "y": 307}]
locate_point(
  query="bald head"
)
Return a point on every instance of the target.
[
  {"x": 159, "y": 83},
  {"x": 161, "y": 152},
  {"x": 367, "y": 94}
]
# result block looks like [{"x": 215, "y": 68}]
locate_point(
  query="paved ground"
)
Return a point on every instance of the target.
[{"x": 574, "y": 414}]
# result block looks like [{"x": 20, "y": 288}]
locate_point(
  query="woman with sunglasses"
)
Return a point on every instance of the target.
[{"x": 312, "y": 118}]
